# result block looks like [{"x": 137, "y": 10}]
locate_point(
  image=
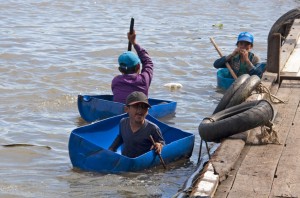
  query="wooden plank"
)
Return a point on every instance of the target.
[
  {"x": 255, "y": 176},
  {"x": 290, "y": 43},
  {"x": 289, "y": 76},
  {"x": 224, "y": 188},
  {"x": 287, "y": 178},
  {"x": 293, "y": 63},
  {"x": 290, "y": 55},
  {"x": 223, "y": 160}
]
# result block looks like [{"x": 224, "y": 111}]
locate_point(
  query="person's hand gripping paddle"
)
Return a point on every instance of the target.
[{"x": 159, "y": 155}]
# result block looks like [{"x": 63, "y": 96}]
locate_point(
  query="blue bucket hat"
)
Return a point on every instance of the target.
[
  {"x": 245, "y": 36},
  {"x": 128, "y": 59}
]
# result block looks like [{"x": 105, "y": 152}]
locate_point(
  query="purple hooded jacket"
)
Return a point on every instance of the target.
[{"x": 123, "y": 85}]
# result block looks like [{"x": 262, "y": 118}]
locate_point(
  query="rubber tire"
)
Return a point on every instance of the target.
[
  {"x": 244, "y": 91},
  {"x": 230, "y": 92},
  {"x": 236, "y": 119}
]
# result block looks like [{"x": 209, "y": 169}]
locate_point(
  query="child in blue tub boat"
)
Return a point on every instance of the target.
[
  {"x": 131, "y": 79},
  {"x": 242, "y": 60},
  {"x": 135, "y": 130}
]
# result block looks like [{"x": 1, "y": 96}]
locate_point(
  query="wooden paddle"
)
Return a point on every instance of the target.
[
  {"x": 220, "y": 53},
  {"x": 130, "y": 31},
  {"x": 159, "y": 155}
]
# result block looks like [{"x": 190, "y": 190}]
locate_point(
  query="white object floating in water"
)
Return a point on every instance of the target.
[{"x": 173, "y": 86}]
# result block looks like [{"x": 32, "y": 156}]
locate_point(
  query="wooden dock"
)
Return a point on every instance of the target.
[
  {"x": 242, "y": 166},
  {"x": 270, "y": 170}
]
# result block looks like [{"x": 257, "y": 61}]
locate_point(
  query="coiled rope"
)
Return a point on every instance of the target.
[{"x": 263, "y": 89}]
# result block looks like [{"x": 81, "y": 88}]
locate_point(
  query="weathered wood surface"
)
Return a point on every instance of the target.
[
  {"x": 223, "y": 160},
  {"x": 271, "y": 170},
  {"x": 290, "y": 43},
  {"x": 227, "y": 154},
  {"x": 279, "y": 56},
  {"x": 274, "y": 50},
  {"x": 281, "y": 27},
  {"x": 287, "y": 176},
  {"x": 293, "y": 64},
  {"x": 289, "y": 54}
]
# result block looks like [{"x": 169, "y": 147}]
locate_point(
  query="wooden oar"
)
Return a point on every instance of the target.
[
  {"x": 159, "y": 155},
  {"x": 130, "y": 31},
  {"x": 220, "y": 53}
]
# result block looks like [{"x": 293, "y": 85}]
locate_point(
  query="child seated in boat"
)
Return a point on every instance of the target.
[
  {"x": 131, "y": 79},
  {"x": 135, "y": 130},
  {"x": 242, "y": 60}
]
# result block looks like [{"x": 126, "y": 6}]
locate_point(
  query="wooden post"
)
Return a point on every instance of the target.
[{"x": 274, "y": 49}]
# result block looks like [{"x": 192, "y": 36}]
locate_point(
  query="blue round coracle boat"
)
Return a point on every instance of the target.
[
  {"x": 98, "y": 107},
  {"x": 224, "y": 78}
]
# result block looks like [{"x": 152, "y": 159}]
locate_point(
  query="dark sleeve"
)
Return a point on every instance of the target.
[
  {"x": 116, "y": 143},
  {"x": 258, "y": 69},
  {"x": 220, "y": 63}
]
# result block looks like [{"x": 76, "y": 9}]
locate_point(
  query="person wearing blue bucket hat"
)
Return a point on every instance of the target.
[
  {"x": 242, "y": 60},
  {"x": 132, "y": 77}
]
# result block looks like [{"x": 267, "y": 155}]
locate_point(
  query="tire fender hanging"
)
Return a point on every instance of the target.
[
  {"x": 236, "y": 119},
  {"x": 238, "y": 92}
]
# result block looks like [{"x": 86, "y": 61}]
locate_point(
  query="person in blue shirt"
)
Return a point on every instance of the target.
[
  {"x": 242, "y": 60},
  {"x": 135, "y": 130}
]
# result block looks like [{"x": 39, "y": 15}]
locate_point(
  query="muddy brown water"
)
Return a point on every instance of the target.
[{"x": 51, "y": 51}]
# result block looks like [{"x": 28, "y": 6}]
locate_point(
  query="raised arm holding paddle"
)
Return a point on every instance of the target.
[{"x": 136, "y": 70}]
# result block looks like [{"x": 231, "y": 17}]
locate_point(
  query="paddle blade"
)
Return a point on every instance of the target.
[{"x": 130, "y": 31}]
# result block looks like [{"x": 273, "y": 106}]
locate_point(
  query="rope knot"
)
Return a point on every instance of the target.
[{"x": 268, "y": 134}]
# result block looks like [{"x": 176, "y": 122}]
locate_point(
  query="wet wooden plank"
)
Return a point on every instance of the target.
[{"x": 256, "y": 173}]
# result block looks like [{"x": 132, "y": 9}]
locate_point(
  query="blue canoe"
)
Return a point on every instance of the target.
[
  {"x": 88, "y": 147},
  {"x": 224, "y": 78},
  {"x": 98, "y": 107}
]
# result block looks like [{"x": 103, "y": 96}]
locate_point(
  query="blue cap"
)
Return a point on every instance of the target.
[
  {"x": 245, "y": 36},
  {"x": 128, "y": 59}
]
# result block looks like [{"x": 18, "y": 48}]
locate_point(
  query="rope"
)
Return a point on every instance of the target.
[
  {"x": 263, "y": 89},
  {"x": 268, "y": 135}
]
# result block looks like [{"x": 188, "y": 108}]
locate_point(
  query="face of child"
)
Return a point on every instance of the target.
[
  {"x": 244, "y": 45},
  {"x": 137, "y": 112}
]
